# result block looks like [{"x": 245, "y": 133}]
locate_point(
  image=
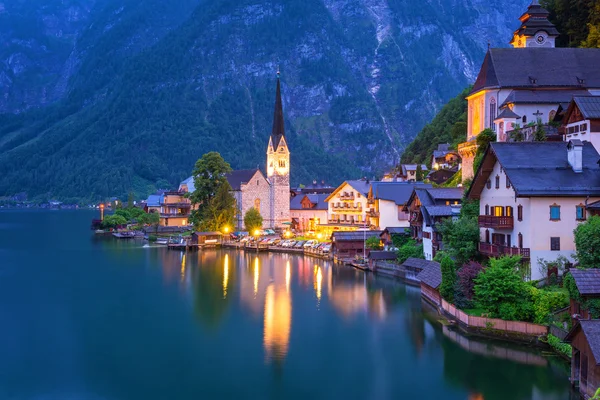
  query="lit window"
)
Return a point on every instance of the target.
[{"x": 555, "y": 212}]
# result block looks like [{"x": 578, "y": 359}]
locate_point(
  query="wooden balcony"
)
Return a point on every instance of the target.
[
  {"x": 495, "y": 250},
  {"x": 373, "y": 213},
  {"x": 489, "y": 221},
  {"x": 174, "y": 215},
  {"x": 346, "y": 207},
  {"x": 347, "y": 197}
]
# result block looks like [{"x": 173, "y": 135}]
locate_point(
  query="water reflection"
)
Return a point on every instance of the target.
[{"x": 277, "y": 322}]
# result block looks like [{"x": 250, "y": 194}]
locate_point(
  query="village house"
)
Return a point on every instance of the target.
[
  {"x": 270, "y": 193},
  {"x": 582, "y": 120},
  {"x": 308, "y": 211},
  {"x": 173, "y": 207},
  {"x": 588, "y": 285},
  {"x": 348, "y": 245},
  {"x": 388, "y": 234},
  {"x": 526, "y": 83},
  {"x": 444, "y": 158},
  {"x": 427, "y": 208},
  {"x": 531, "y": 198},
  {"x": 585, "y": 360},
  {"x": 386, "y": 201},
  {"x": 347, "y": 208}
]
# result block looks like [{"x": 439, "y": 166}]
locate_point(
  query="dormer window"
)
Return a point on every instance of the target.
[{"x": 533, "y": 80}]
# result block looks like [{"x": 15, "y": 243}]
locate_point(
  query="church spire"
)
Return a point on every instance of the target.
[{"x": 278, "y": 125}]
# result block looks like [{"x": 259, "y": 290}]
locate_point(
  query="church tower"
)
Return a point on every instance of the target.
[
  {"x": 535, "y": 30},
  {"x": 278, "y": 166}
]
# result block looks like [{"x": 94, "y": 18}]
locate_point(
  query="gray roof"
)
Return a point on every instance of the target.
[
  {"x": 353, "y": 236},
  {"x": 418, "y": 263},
  {"x": 543, "y": 96},
  {"x": 507, "y": 113},
  {"x": 591, "y": 330},
  {"x": 382, "y": 255},
  {"x": 587, "y": 281},
  {"x": 395, "y": 230},
  {"x": 442, "y": 211},
  {"x": 154, "y": 200},
  {"x": 239, "y": 177},
  {"x": 318, "y": 199},
  {"x": 412, "y": 167},
  {"x": 361, "y": 186},
  {"x": 189, "y": 182},
  {"x": 446, "y": 193},
  {"x": 431, "y": 275},
  {"x": 589, "y": 106},
  {"x": 398, "y": 192},
  {"x": 539, "y": 68},
  {"x": 542, "y": 169}
]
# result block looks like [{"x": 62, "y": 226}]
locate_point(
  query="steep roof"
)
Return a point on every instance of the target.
[
  {"x": 507, "y": 113},
  {"x": 589, "y": 106},
  {"x": 540, "y": 169},
  {"x": 398, "y": 192},
  {"x": 446, "y": 193},
  {"x": 587, "y": 281},
  {"x": 239, "y": 177},
  {"x": 591, "y": 330},
  {"x": 278, "y": 130},
  {"x": 318, "y": 199},
  {"x": 431, "y": 275},
  {"x": 535, "y": 19},
  {"x": 154, "y": 200},
  {"x": 542, "y": 96},
  {"x": 539, "y": 68},
  {"x": 395, "y": 230}
]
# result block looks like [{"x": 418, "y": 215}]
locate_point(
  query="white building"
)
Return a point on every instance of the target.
[
  {"x": 532, "y": 196},
  {"x": 582, "y": 120},
  {"x": 387, "y": 201}
]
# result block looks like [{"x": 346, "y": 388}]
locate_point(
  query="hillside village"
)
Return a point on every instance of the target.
[{"x": 527, "y": 174}]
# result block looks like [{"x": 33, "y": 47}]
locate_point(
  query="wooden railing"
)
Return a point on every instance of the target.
[
  {"x": 495, "y": 250},
  {"x": 490, "y": 221}
]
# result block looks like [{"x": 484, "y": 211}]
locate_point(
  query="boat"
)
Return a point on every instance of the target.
[
  {"x": 162, "y": 241},
  {"x": 124, "y": 235}
]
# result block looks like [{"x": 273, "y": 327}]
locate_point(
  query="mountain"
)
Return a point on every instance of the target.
[{"x": 101, "y": 97}]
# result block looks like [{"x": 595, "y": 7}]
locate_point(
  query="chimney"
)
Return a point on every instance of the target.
[{"x": 575, "y": 155}]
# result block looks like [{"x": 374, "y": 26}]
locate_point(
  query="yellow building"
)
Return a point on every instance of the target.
[{"x": 173, "y": 207}]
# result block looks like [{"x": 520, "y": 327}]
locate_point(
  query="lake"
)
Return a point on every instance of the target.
[{"x": 91, "y": 318}]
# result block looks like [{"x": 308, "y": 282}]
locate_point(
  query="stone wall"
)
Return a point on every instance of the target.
[{"x": 257, "y": 189}]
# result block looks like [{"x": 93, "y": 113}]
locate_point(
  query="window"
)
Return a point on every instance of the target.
[
  {"x": 524, "y": 119},
  {"x": 520, "y": 212},
  {"x": 555, "y": 243},
  {"x": 487, "y": 210},
  {"x": 282, "y": 163},
  {"x": 507, "y": 182},
  {"x": 493, "y": 113},
  {"x": 520, "y": 240},
  {"x": 554, "y": 212},
  {"x": 487, "y": 235},
  {"x": 580, "y": 212},
  {"x": 497, "y": 182},
  {"x": 257, "y": 182},
  {"x": 257, "y": 204},
  {"x": 509, "y": 211},
  {"x": 498, "y": 211},
  {"x": 489, "y": 184},
  {"x": 447, "y": 202}
]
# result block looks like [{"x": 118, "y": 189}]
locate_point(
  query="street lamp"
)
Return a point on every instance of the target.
[
  {"x": 226, "y": 232},
  {"x": 256, "y": 234},
  {"x": 101, "y": 212}
]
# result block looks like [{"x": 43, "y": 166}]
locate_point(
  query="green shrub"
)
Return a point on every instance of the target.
[
  {"x": 448, "y": 278},
  {"x": 545, "y": 302},
  {"x": 559, "y": 346},
  {"x": 152, "y": 238},
  {"x": 410, "y": 249}
]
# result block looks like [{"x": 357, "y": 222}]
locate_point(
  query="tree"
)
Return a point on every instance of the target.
[
  {"x": 540, "y": 133},
  {"x": 516, "y": 134},
  {"x": 410, "y": 249},
  {"x": 484, "y": 139},
  {"x": 112, "y": 221},
  {"x": 373, "y": 243},
  {"x": 466, "y": 278},
  {"x": 130, "y": 200},
  {"x": 461, "y": 238},
  {"x": 209, "y": 173},
  {"x": 252, "y": 220},
  {"x": 500, "y": 290},
  {"x": 587, "y": 243},
  {"x": 152, "y": 218},
  {"x": 448, "y": 278},
  {"x": 419, "y": 174},
  {"x": 220, "y": 211}
]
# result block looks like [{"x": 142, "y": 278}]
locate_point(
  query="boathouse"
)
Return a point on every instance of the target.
[
  {"x": 431, "y": 279},
  {"x": 585, "y": 361},
  {"x": 381, "y": 258},
  {"x": 347, "y": 245},
  {"x": 207, "y": 238},
  {"x": 588, "y": 285}
]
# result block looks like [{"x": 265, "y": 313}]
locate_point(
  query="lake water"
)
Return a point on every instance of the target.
[{"x": 88, "y": 318}]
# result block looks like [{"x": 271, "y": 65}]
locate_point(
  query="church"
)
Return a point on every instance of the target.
[
  {"x": 519, "y": 86},
  {"x": 270, "y": 193}
]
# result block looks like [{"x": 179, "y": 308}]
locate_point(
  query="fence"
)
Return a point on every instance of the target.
[{"x": 524, "y": 328}]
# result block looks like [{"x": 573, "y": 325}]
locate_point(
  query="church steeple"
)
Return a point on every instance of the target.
[
  {"x": 535, "y": 30},
  {"x": 278, "y": 131}
]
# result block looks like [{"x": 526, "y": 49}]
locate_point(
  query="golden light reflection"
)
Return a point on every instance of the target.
[
  {"x": 277, "y": 322},
  {"x": 225, "y": 275},
  {"x": 256, "y": 274},
  {"x": 288, "y": 275},
  {"x": 318, "y": 282},
  {"x": 183, "y": 267}
]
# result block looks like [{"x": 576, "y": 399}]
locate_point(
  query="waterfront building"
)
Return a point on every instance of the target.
[
  {"x": 585, "y": 360},
  {"x": 427, "y": 208},
  {"x": 588, "y": 285},
  {"x": 308, "y": 211},
  {"x": 527, "y": 83},
  {"x": 386, "y": 201},
  {"x": 430, "y": 279},
  {"x": 531, "y": 198},
  {"x": 347, "y": 207},
  {"x": 269, "y": 193},
  {"x": 172, "y": 206},
  {"x": 348, "y": 245},
  {"x": 387, "y": 236}
]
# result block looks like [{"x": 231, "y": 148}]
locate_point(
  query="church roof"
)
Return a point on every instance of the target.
[
  {"x": 543, "y": 96},
  {"x": 535, "y": 19},
  {"x": 237, "y": 178},
  {"x": 278, "y": 130},
  {"x": 536, "y": 68}
]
